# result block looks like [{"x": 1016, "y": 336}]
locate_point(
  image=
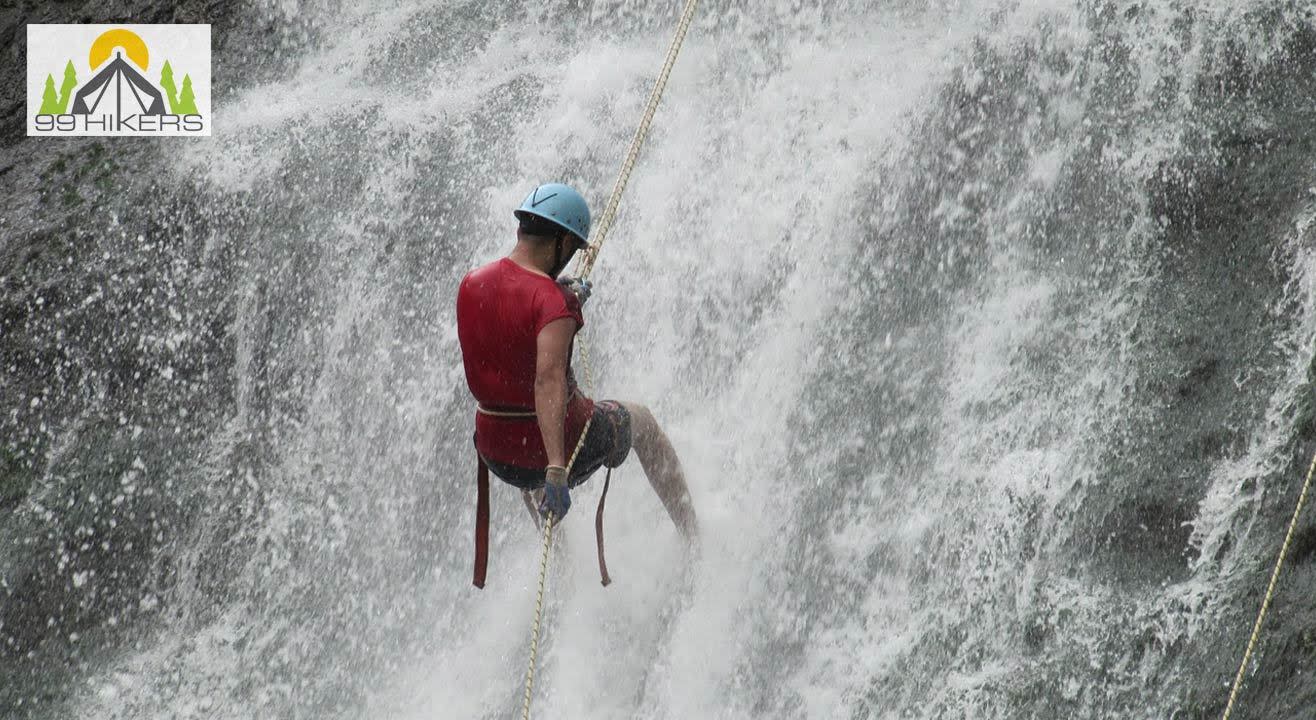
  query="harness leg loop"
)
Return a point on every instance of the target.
[
  {"x": 482, "y": 525},
  {"x": 598, "y": 528}
]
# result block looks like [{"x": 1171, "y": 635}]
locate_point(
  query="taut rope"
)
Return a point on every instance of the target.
[{"x": 583, "y": 269}]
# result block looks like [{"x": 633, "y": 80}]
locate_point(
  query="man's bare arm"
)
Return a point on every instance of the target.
[{"x": 552, "y": 347}]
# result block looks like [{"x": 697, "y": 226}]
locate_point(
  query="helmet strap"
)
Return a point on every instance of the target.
[{"x": 558, "y": 265}]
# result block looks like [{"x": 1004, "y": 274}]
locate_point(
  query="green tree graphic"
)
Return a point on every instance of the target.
[
  {"x": 49, "y": 101},
  {"x": 187, "y": 101},
  {"x": 171, "y": 90},
  {"x": 66, "y": 88}
]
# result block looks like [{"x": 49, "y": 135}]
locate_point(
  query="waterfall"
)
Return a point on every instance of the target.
[{"x": 983, "y": 330}]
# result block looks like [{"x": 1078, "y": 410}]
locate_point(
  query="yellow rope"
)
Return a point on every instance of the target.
[
  {"x": 1270, "y": 591},
  {"x": 583, "y": 268},
  {"x": 586, "y": 264},
  {"x": 539, "y": 613}
]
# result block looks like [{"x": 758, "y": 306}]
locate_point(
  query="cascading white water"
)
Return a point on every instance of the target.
[{"x": 886, "y": 274}]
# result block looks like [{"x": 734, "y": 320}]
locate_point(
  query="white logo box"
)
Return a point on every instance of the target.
[{"x": 120, "y": 98}]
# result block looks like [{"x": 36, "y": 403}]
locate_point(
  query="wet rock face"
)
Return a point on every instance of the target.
[
  {"x": 117, "y": 317},
  {"x": 13, "y": 37},
  {"x": 1199, "y": 249},
  {"x": 107, "y": 406},
  {"x": 92, "y": 360}
]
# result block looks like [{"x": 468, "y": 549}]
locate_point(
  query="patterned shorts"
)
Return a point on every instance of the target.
[{"x": 606, "y": 445}]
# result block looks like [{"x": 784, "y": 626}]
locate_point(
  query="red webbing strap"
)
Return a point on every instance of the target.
[
  {"x": 482, "y": 525},
  {"x": 598, "y": 528}
]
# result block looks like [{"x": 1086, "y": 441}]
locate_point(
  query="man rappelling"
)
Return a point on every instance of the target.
[{"x": 517, "y": 322}]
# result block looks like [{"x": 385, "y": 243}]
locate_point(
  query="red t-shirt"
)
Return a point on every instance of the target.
[{"x": 501, "y": 307}]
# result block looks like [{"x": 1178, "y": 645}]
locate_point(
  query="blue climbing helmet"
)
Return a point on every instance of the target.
[{"x": 560, "y": 205}]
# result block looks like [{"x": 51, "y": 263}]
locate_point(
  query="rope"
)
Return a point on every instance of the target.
[
  {"x": 1270, "y": 591},
  {"x": 539, "y": 613},
  {"x": 543, "y": 555},
  {"x": 586, "y": 263},
  {"x": 583, "y": 269}
]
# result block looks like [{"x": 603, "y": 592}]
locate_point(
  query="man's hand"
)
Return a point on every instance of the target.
[
  {"x": 578, "y": 287},
  {"x": 557, "y": 496}
]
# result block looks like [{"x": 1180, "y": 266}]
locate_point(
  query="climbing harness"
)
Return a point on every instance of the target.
[
  {"x": 481, "y": 523},
  {"x": 1270, "y": 590},
  {"x": 494, "y": 412},
  {"x": 583, "y": 269},
  {"x": 482, "y": 501}
]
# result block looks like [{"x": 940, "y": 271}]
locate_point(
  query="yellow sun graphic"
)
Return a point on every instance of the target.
[{"x": 132, "y": 46}]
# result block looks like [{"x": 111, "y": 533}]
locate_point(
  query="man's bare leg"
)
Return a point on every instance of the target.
[
  {"x": 532, "y": 500},
  {"x": 663, "y": 468}
]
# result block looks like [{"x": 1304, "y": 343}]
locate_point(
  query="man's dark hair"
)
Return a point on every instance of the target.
[{"x": 539, "y": 227}]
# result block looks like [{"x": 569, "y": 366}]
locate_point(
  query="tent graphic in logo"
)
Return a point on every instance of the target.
[
  {"x": 120, "y": 97},
  {"x": 122, "y": 83}
]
